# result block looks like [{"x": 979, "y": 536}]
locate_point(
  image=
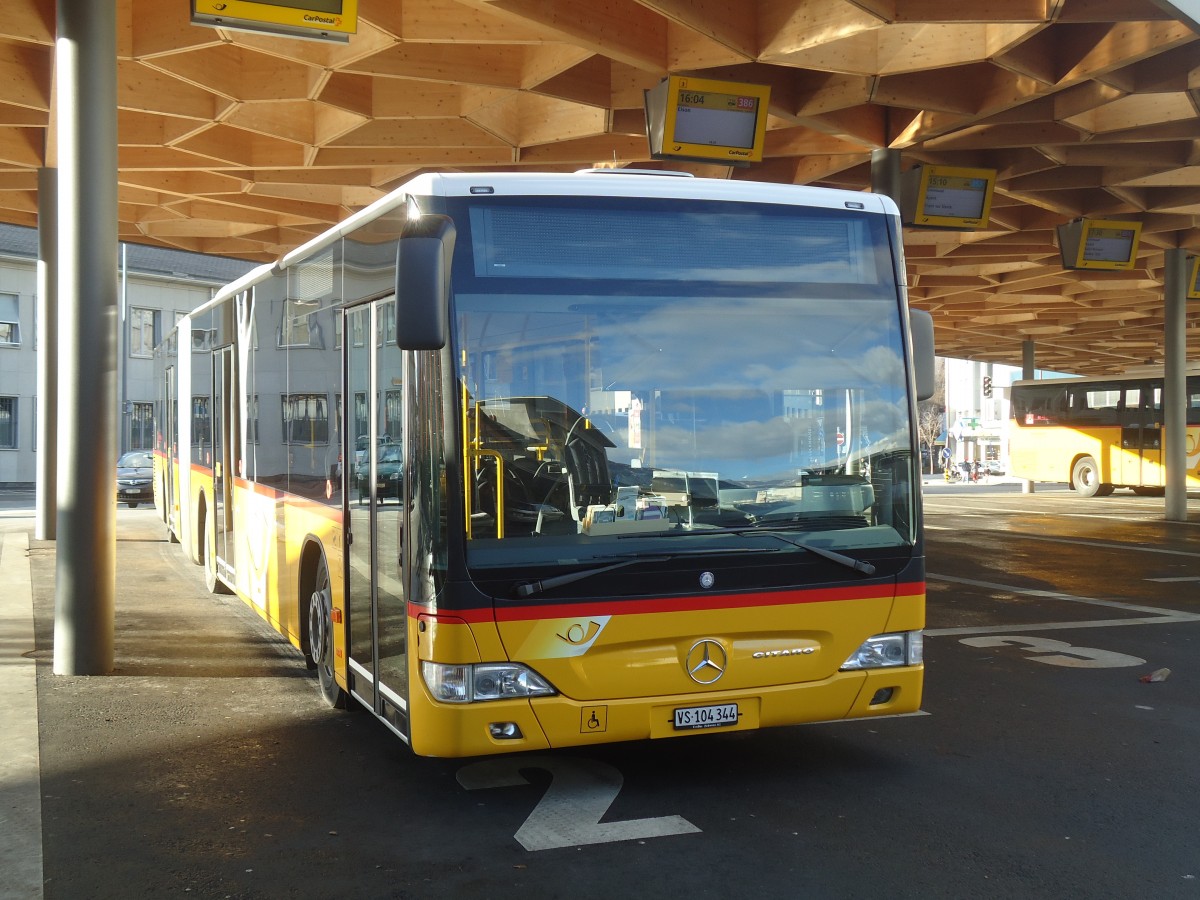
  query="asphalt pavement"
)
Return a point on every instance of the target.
[{"x": 207, "y": 766}]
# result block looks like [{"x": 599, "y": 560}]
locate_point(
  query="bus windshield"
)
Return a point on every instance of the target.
[{"x": 622, "y": 381}]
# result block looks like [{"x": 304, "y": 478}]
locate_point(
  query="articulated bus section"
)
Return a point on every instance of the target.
[{"x": 510, "y": 482}]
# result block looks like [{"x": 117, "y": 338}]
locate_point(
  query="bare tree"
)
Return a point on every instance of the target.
[
  {"x": 931, "y": 414},
  {"x": 930, "y": 419}
]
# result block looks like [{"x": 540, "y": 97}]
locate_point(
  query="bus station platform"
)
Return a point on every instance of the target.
[{"x": 123, "y": 785}]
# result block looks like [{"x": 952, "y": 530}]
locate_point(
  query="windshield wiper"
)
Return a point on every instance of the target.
[
  {"x": 858, "y": 565},
  {"x": 529, "y": 588}
]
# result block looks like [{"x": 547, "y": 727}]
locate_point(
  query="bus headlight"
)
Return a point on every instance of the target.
[
  {"x": 905, "y": 648},
  {"x": 483, "y": 681}
]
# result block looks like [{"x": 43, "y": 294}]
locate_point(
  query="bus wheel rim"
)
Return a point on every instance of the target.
[{"x": 317, "y": 625}]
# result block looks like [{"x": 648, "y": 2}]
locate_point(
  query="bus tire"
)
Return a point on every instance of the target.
[
  {"x": 320, "y": 636},
  {"x": 1085, "y": 477}
]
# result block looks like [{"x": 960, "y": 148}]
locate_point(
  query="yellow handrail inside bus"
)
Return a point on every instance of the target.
[
  {"x": 472, "y": 458},
  {"x": 466, "y": 455},
  {"x": 472, "y": 453}
]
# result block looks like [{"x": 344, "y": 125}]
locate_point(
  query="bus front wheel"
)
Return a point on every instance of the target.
[
  {"x": 1085, "y": 477},
  {"x": 320, "y": 636}
]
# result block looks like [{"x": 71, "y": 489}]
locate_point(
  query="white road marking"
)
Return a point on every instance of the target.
[
  {"x": 1057, "y": 595},
  {"x": 1175, "y": 580},
  {"x": 1158, "y": 616},
  {"x": 1058, "y": 626},
  {"x": 1133, "y": 515},
  {"x": 1136, "y": 548},
  {"x": 1059, "y": 653},
  {"x": 569, "y": 813}
]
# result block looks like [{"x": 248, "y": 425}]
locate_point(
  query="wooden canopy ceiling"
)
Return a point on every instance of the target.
[{"x": 247, "y": 145}]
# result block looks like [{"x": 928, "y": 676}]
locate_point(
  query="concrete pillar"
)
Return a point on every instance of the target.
[
  {"x": 86, "y": 58},
  {"x": 1028, "y": 357},
  {"x": 885, "y": 173},
  {"x": 1028, "y": 370},
  {"x": 1175, "y": 383}
]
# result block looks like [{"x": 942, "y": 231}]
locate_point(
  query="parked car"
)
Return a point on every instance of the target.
[
  {"x": 135, "y": 477},
  {"x": 994, "y": 467},
  {"x": 387, "y": 470}
]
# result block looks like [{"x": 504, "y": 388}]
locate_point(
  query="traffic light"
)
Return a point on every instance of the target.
[{"x": 987, "y": 385}]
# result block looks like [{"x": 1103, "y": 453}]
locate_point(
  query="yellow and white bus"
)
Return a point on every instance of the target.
[
  {"x": 1098, "y": 433},
  {"x": 524, "y": 461}
]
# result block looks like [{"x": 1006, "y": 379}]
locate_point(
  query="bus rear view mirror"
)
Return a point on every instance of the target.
[
  {"x": 423, "y": 257},
  {"x": 921, "y": 326}
]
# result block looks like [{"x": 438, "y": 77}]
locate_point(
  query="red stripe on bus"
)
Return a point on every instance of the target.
[{"x": 691, "y": 603}]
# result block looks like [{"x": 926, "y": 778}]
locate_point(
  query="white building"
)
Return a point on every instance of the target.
[
  {"x": 157, "y": 287},
  {"x": 977, "y": 410}
]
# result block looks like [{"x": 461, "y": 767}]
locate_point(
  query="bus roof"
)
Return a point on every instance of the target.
[
  {"x": 1137, "y": 373},
  {"x": 640, "y": 183},
  {"x": 584, "y": 183}
]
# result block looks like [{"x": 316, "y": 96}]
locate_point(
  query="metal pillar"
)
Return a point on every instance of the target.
[
  {"x": 1028, "y": 370},
  {"x": 885, "y": 173},
  {"x": 46, "y": 502},
  {"x": 124, "y": 420},
  {"x": 1175, "y": 383},
  {"x": 86, "y": 59}
]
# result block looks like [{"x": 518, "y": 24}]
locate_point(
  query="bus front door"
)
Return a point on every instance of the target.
[
  {"x": 169, "y": 438},
  {"x": 374, "y": 495},
  {"x": 224, "y": 438}
]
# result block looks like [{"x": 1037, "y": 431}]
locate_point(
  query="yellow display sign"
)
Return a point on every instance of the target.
[
  {"x": 330, "y": 20},
  {"x": 708, "y": 121},
  {"x": 1099, "y": 244},
  {"x": 947, "y": 197},
  {"x": 1193, "y": 282}
]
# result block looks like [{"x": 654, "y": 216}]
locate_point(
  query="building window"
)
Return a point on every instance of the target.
[
  {"x": 300, "y": 327},
  {"x": 393, "y": 414},
  {"x": 385, "y": 324},
  {"x": 201, "y": 423},
  {"x": 143, "y": 332},
  {"x": 8, "y": 423},
  {"x": 10, "y": 321},
  {"x": 362, "y": 414},
  {"x": 203, "y": 339},
  {"x": 141, "y": 426},
  {"x": 305, "y": 419},
  {"x": 252, "y": 419}
]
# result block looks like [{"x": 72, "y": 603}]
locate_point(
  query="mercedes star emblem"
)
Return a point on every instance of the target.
[{"x": 705, "y": 661}]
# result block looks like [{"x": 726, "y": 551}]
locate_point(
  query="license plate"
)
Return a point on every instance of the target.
[{"x": 706, "y": 716}]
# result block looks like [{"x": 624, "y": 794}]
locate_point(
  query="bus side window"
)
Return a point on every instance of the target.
[{"x": 1094, "y": 406}]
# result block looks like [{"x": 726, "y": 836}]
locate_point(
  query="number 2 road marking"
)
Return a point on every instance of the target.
[{"x": 569, "y": 813}]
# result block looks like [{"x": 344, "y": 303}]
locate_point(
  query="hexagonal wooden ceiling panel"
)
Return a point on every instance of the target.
[{"x": 247, "y": 145}]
